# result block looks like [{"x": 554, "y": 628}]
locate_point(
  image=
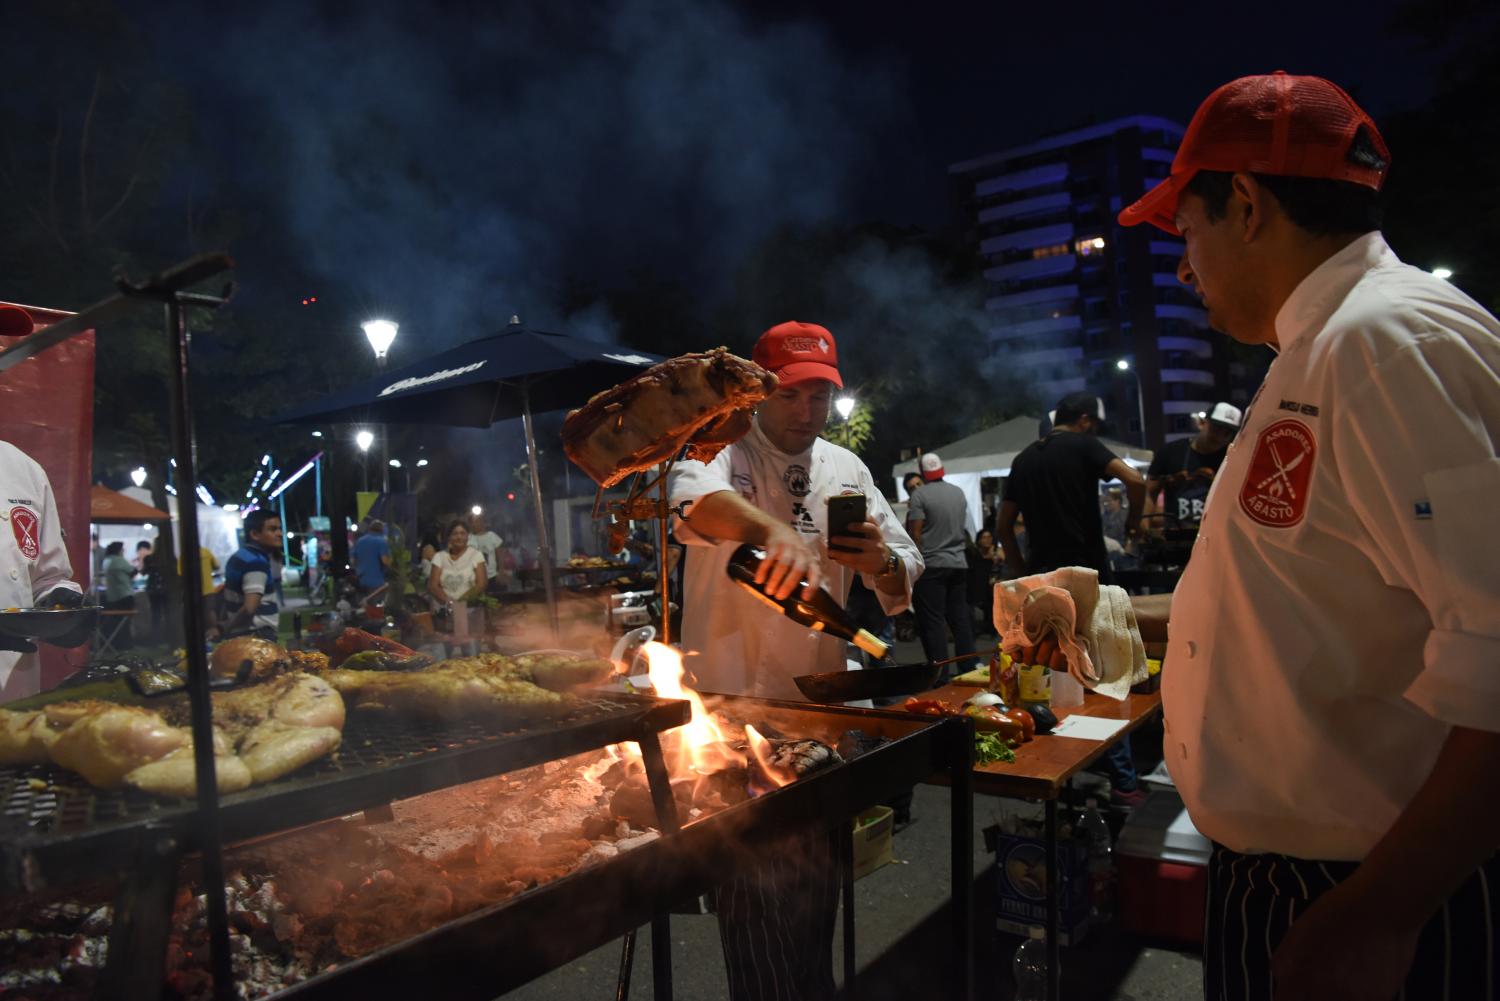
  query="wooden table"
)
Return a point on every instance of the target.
[{"x": 1042, "y": 769}]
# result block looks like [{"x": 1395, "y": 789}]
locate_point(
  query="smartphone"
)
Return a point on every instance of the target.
[{"x": 843, "y": 511}]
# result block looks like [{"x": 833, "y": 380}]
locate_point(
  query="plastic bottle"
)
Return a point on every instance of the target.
[
  {"x": 1029, "y": 966},
  {"x": 1101, "y": 862},
  {"x": 820, "y": 613}
]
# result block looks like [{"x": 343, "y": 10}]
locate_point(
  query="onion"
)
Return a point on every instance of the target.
[{"x": 982, "y": 699}]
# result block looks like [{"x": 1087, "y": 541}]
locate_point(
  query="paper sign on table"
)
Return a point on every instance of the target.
[{"x": 1089, "y": 727}]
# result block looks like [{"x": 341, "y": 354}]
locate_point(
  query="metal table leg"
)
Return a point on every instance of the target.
[
  {"x": 1054, "y": 877},
  {"x": 845, "y": 843},
  {"x": 961, "y": 817},
  {"x": 666, "y": 816}
]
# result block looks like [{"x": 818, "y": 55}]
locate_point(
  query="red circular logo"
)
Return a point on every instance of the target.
[
  {"x": 1275, "y": 489},
  {"x": 28, "y": 530}
]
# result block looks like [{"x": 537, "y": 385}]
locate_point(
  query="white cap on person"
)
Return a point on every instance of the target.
[
  {"x": 1226, "y": 414},
  {"x": 932, "y": 467}
]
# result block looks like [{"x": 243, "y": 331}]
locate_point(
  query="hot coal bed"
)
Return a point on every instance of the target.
[{"x": 479, "y": 862}]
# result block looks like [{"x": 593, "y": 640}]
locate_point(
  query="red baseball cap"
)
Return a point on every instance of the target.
[
  {"x": 797, "y": 352},
  {"x": 1296, "y": 126}
]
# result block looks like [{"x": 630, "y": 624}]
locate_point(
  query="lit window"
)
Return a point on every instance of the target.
[
  {"x": 1052, "y": 251},
  {"x": 1088, "y": 245}
]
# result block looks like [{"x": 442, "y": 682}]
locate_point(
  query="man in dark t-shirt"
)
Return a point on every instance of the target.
[
  {"x": 1054, "y": 483},
  {"x": 1185, "y": 469}
]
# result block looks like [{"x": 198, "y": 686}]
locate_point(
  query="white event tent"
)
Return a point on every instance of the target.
[{"x": 990, "y": 452}]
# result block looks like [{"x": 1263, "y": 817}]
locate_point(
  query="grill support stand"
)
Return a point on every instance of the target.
[{"x": 135, "y": 966}]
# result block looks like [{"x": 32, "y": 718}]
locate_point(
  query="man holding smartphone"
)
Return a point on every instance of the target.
[{"x": 774, "y": 488}]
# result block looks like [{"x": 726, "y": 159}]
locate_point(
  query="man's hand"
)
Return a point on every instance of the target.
[
  {"x": 868, "y": 545},
  {"x": 61, "y": 597},
  {"x": 1345, "y": 948},
  {"x": 789, "y": 558}
]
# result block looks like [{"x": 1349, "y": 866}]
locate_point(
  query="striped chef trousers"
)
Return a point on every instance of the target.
[
  {"x": 776, "y": 920},
  {"x": 1253, "y": 900}
]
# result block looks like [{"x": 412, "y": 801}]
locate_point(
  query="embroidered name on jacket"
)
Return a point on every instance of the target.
[{"x": 1275, "y": 489}]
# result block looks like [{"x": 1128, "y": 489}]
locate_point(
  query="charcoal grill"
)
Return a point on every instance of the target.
[
  {"x": 54, "y": 827},
  {"x": 501, "y": 947}
]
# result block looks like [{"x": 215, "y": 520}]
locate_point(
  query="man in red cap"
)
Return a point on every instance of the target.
[
  {"x": 1331, "y": 692},
  {"x": 770, "y": 488}
]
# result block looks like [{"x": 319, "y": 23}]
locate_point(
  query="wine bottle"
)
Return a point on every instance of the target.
[{"x": 820, "y": 613}]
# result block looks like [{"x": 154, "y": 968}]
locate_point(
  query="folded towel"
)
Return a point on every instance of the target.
[{"x": 1095, "y": 626}]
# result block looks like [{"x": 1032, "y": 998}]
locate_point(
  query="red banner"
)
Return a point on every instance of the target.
[{"x": 47, "y": 411}]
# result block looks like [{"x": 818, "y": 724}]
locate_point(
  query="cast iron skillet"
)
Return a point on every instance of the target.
[{"x": 873, "y": 683}]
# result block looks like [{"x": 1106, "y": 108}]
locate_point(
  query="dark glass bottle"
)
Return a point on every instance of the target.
[{"x": 820, "y": 613}]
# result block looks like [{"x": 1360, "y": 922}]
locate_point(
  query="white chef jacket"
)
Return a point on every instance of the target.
[
  {"x": 1341, "y": 611},
  {"x": 33, "y": 559},
  {"x": 741, "y": 646}
]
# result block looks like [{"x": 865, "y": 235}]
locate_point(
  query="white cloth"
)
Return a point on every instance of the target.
[
  {"x": 1341, "y": 611},
  {"x": 487, "y": 542},
  {"x": 742, "y": 646},
  {"x": 1095, "y": 626},
  {"x": 456, "y": 576},
  {"x": 33, "y": 559}
]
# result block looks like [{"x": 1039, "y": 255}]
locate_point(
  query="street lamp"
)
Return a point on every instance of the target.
[
  {"x": 381, "y": 334},
  {"x": 1443, "y": 273},
  {"x": 476, "y": 510},
  {"x": 1140, "y": 395},
  {"x": 364, "y": 439},
  {"x": 138, "y": 476},
  {"x": 845, "y": 406}
]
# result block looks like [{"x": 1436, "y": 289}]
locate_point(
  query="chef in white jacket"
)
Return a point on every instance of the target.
[
  {"x": 34, "y": 566},
  {"x": 771, "y": 488}
]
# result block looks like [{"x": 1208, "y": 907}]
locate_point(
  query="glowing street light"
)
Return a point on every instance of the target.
[
  {"x": 1443, "y": 273},
  {"x": 845, "y": 406},
  {"x": 421, "y": 463},
  {"x": 381, "y": 334},
  {"x": 317, "y": 434},
  {"x": 476, "y": 510},
  {"x": 364, "y": 439},
  {"x": 138, "y": 476},
  {"x": 1140, "y": 395}
]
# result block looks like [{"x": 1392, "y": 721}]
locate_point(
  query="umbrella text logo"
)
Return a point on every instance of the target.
[{"x": 423, "y": 380}]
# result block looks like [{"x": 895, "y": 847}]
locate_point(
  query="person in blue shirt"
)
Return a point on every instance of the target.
[
  {"x": 251, "y": 579},
  {"x": 372, "y": 557}
]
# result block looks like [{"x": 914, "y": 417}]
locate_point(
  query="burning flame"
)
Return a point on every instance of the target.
[
  {"x": 700, "y": 745},
  {"x": 765, "y": 756}
]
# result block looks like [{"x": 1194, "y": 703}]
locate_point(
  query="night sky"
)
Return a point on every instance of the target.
[
  {"x": 449, "y": 164},
  {"x": 457, "y": 161}
]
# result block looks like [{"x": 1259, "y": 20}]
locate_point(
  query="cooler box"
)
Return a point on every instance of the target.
[
  {"x": 1162, "y": 864},
  {"x": 1021, "y": 879}
]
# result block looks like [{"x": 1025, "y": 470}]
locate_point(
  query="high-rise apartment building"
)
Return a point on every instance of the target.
[{"x": 1072, "y": 294}]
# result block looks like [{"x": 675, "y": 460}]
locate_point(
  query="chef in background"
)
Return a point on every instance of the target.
[{"x": 34, "y": 567}]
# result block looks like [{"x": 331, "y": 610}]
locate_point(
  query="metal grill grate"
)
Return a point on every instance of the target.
[{"x": 41, "y": 804}]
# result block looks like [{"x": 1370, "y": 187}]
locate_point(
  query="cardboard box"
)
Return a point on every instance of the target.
[
  {"x": 1162, "y": 862},
  {"x": 872, "y": 840},
  {"x": 1021, "y": 874}
]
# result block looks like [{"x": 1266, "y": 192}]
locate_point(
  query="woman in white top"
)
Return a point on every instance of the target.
[{"x": 458, "y": 570}]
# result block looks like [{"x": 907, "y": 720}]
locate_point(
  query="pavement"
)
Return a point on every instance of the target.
[{"x": 902, "y": 929}]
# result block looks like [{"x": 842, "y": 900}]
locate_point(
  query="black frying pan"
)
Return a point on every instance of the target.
[{"x": 874, "y": 682}]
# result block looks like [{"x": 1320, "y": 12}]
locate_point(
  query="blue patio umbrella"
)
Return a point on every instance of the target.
[{"x": 514, "y": 373}]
